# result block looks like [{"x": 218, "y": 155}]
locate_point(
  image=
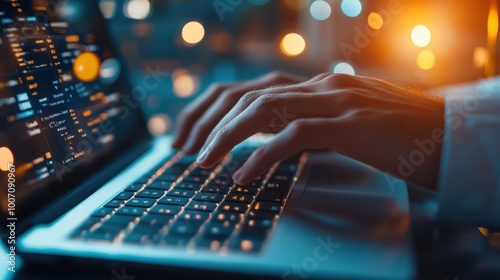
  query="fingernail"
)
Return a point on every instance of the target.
[
  {"x": 202, "y": 157},
  {"x": 238, "y": 176}
]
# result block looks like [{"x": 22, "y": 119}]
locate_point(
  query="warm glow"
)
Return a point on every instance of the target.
[
  {"x": 87, "y": 66},
  {"x": 426, "y": 60},
  {"x": 351, "y": 8},
  {"x": 292, "y": 44},
  {"x": 421, "y": 36},
  {"x": 185, "y": 84},
  {"x": 193, "y": 32},
  {"x": 493, "y": 22},
  {"x": 320, "y": 10},
  {"x": 375, "y": 21},
  {"x": 159, "y": 124},
  {"x": 484, "y": 231},
  {"x": 480, "y": 57},
  {"x": 344, "y": 68},
  {"x": 296, "y": 5},
  {"x": 6, "y": 157},
  {"x": 137, "y": 9}
]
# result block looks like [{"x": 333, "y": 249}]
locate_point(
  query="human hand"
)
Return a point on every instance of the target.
[
  {"x": 367, "y": 119},
  {"x": 199, "y": 118}
]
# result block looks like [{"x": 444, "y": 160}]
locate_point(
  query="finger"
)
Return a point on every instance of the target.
[
  {"x": 190, "y": 114},
  {"x": 225, "y": 101},
  {"x": 245, "y": 101},
  {"x": 261, "y": 114},
  {"x": 302, "y": 134}
]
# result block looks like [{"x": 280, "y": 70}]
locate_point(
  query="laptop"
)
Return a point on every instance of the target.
[{"x": 83, "y": 179}]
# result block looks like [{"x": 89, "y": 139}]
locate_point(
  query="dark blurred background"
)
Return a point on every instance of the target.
[{"x": 422, "y": 43}]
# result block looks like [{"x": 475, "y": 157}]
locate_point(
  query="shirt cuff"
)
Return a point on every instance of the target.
[{"x": 469, "y": 183}]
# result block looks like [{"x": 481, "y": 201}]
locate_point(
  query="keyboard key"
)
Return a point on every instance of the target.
[
  {"x": 124, "y": 195},
  {"x": 143, "y": 180},
  {"x": 119, "y": 220},
  {"x": 141, "y": 202},
  {"x": 181, "y": 193},
  {"x": 183, "y": 228},
  {"x": 138, "y": 238},
  {"x": 274, "y": 191},
  {"x": 103, "y": 233},
  {"x": 222, "y": 181},
  {"x": 85, "y": 227},
  {"x": 167, "y": 177},
  {"x": 160, "y": 185},
  {"x": 258, "y": 224},
  {"x": 176, "y": 240},
  {"x": 244, "y": 190},
  {"x": 267, "y": 206},
  {"x": 234, "y": 207},
  {"x": 173, "y": 200},
  {"x": 187, "y": 186},
  {"x": 134, "y": 187},
  {"x": 150, "y": 193},
  {"x": 253, "y": 184},
  {"x": 260, "y": 215},
  {"x": 210, "y": 188},
  {"x": 115, "y": 203},
  {"x": 192, "y": 178},
  {"x": 165, "y": 209},
  {"x": 201, "y": 172},
  {"x": 102, "y": 212},
  {"x": 218, "y": 231},
  {"x": 193, "y": 215},
  {"x": 131, "y": 211},
  {"x": 246, "y": 244},
  {"x": 201, "y": 206},
  {"x": 209, "y": 197},
  {"x": 229, "y": 217},
  {"x": 155, "y": 220},
  {"x": 240, "y": 198}
]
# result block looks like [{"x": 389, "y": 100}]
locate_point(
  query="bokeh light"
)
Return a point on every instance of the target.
[
  {"x": 421, "y": 36},
  {"x": 193, "y": 32},
  {"x": 159, "y": 124},
  {"x": 320, "y": 10},
  {"x": 185, "y": 84},
  {"x": 344, "y": 68},
  {"x": 6, "y": 157},
  {"x": 426, "y": 60},
  {"x": 108, "y": 8},
  {"x": 110, "y": 71},
  {"x": 351, "y": 8},
  {"x": 87, "y": 67},
  {"x": 137, "y": 9},
  {"x": 375, "y": 21},
  {"x": 480, "y": 57},
  {"x": 292, "y": 44}
]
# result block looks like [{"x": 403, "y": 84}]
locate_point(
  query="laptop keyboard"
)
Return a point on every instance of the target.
[{"x": 182, "y": 205}]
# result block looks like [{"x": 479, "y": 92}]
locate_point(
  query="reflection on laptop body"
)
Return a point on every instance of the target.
[{"x": 90, "y": 182}]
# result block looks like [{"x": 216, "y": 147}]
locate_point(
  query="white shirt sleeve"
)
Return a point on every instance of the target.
[{"x": 469, "y": 183}]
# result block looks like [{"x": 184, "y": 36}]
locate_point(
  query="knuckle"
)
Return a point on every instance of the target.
[
  {"x": 250, "y": 97},
  {"x": 266, "y": 101},
  {"x": 340, "y": 80},
  {"x": 298, "y": 127},
  {"x": 223, "y": 131},
  {"x": 274, "y": 76}
]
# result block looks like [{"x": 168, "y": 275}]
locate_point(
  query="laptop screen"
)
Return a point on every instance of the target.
[{"x": 65, "y": 106}]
